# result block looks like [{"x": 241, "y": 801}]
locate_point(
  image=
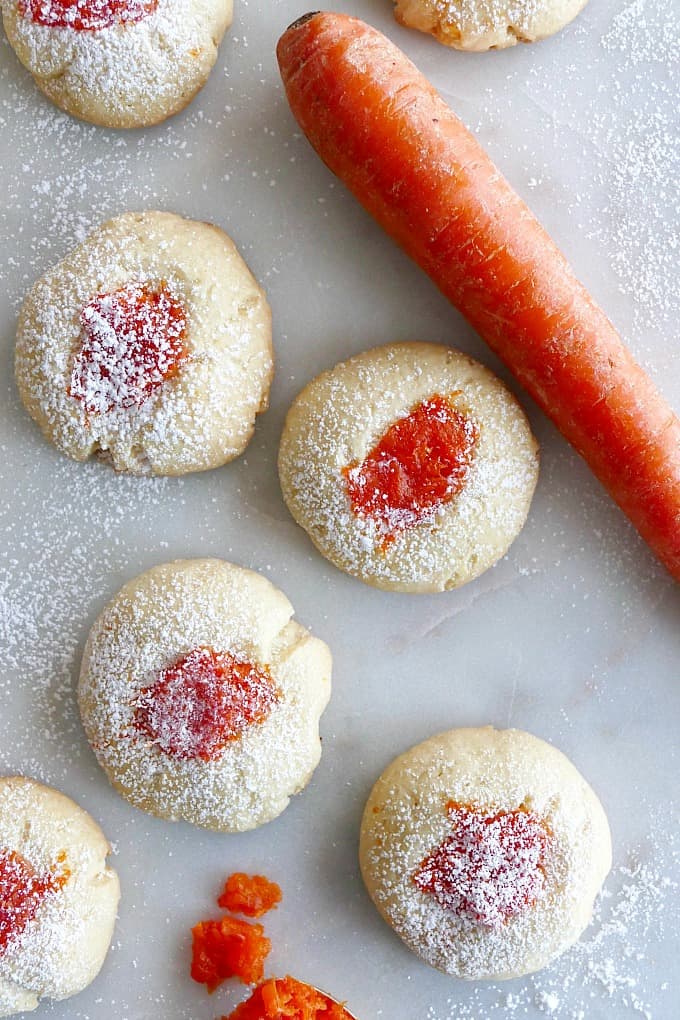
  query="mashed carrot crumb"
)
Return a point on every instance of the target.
[
  {"x": 252, "y": 895},
  {"x": 288, "y": 999},
  {"x": 228, "y": 948}
]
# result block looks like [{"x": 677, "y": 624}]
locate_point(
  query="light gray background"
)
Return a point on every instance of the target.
[{"x": 574, "y": 636}]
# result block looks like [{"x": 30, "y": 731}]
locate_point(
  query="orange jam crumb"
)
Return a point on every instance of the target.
[
  {"x": 203, "y": 701},
  {"x": 420, "y": 464},
  {"x": 133, "y": 339},
  {"x": 288, "y": 999},
  {"x": 228, "y": 948},
  {"x": 85, "y": 15},
  {"x": 22, "y": 890},
  {"x": 491, "y": 868},
  {"x": 252, "y": 895}
]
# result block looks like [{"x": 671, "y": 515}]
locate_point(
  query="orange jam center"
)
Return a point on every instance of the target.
[
  {"x": 22, "y": 890},
  {"x": 86, "y": 15},
  {"x": 133, "y": 340},
  {"x": 203, "y": 701},
  {"x": 288, "y": 999},
  {"x": 491, "y": 868},
  {"x": 252, "y": 895},
  {"x": 228, "y": 948},
  {"x": 419, "y": 464}
]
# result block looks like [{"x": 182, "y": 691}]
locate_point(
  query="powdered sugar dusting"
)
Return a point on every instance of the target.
[
  {"x": 46, "y": 601},
  {"x": 202, "y": 702},
  {"x": 642, "y": 161},
  {"x": 491, "y": 867},
  {"x": 22, "y": 891},
  {"x": 607, "y": 972},
  {"x": 134, "y": 340},
  {"x": 85, "y": 15}
]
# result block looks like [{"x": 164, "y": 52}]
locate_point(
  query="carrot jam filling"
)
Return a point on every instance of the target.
[
  {"x": 22, "y": 890},
  {"x": 420, "y": 464},
  {"x": 86, "y": 15},
  {"x": 228, "y": 948},
  {"x": 252, "y": 895},
  {"x": 288, "y": 999},
  {"x": 491, "y": 868},
  {"x": 133, "y": 339},
  {"x": 203, "y": 701}
]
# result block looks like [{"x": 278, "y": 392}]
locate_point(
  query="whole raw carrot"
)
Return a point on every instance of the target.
[{"x": 379, "y": 125}]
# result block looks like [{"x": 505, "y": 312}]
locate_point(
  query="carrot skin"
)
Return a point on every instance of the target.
[{"x": 380, "y": 126}]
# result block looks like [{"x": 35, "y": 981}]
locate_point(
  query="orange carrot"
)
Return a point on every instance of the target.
[{"x": 381, "y": 127}]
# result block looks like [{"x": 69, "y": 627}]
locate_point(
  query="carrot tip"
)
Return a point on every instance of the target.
[{"x": 301, "y": 20}]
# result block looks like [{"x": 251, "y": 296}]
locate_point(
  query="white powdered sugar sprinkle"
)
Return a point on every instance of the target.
[
  {"x": 490, "y": 868},
  {"x": 133, "y": 339}
]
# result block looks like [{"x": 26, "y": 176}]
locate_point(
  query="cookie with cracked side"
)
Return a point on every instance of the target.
[{"x": 201, "y": 696}]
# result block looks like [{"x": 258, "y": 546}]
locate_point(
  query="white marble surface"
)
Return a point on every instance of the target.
[{"x": 574, "y": 636}]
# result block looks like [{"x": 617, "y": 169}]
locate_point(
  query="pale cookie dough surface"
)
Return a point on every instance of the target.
[
  {"x": 200, "y": 418},
  {"x": 131, "y": 74},
  {"x": 61, "y": 950},
  {"x": 164, "y": 614},
  {"x": 340, "y": 416},
  {"x": 498, "y": 771},
  {"x": 487, "y": 24}
]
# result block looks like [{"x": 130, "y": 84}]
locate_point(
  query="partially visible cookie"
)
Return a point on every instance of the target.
[
  {"x": 150, "y": 345},
  {"x": 118, "y": 63},
  {"x": 201, "y": 696},
  {"x": 484, "y": 849},
  {"x": 487, "y": 24},
  {"x": 410, "y": 466},
  {"x": 58, "y": 898}
]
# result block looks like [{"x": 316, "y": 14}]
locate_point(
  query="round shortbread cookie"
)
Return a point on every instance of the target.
[
  {"x": 359, "y": 474},
  {"x": 487, "y": 24},
  {"x": 58, "y": 898},
  {"x": 484, "y": 849},
  {"x": 118, "y": 63},
  {"x": 201, "y": 696},
  {"x": 149, "y": 344}
]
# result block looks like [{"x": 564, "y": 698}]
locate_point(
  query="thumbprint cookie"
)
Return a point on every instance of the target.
[
  {"x": 411, "y": 466},
  {"x": 58, "y": 898},
  {"x": 148, "y": 345},
  {"x": 201, "y": 696},
  {"x": 487, "y": 24},
  {"x": 118, "y": 63},
  {"x": 484, "y": 849}
]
